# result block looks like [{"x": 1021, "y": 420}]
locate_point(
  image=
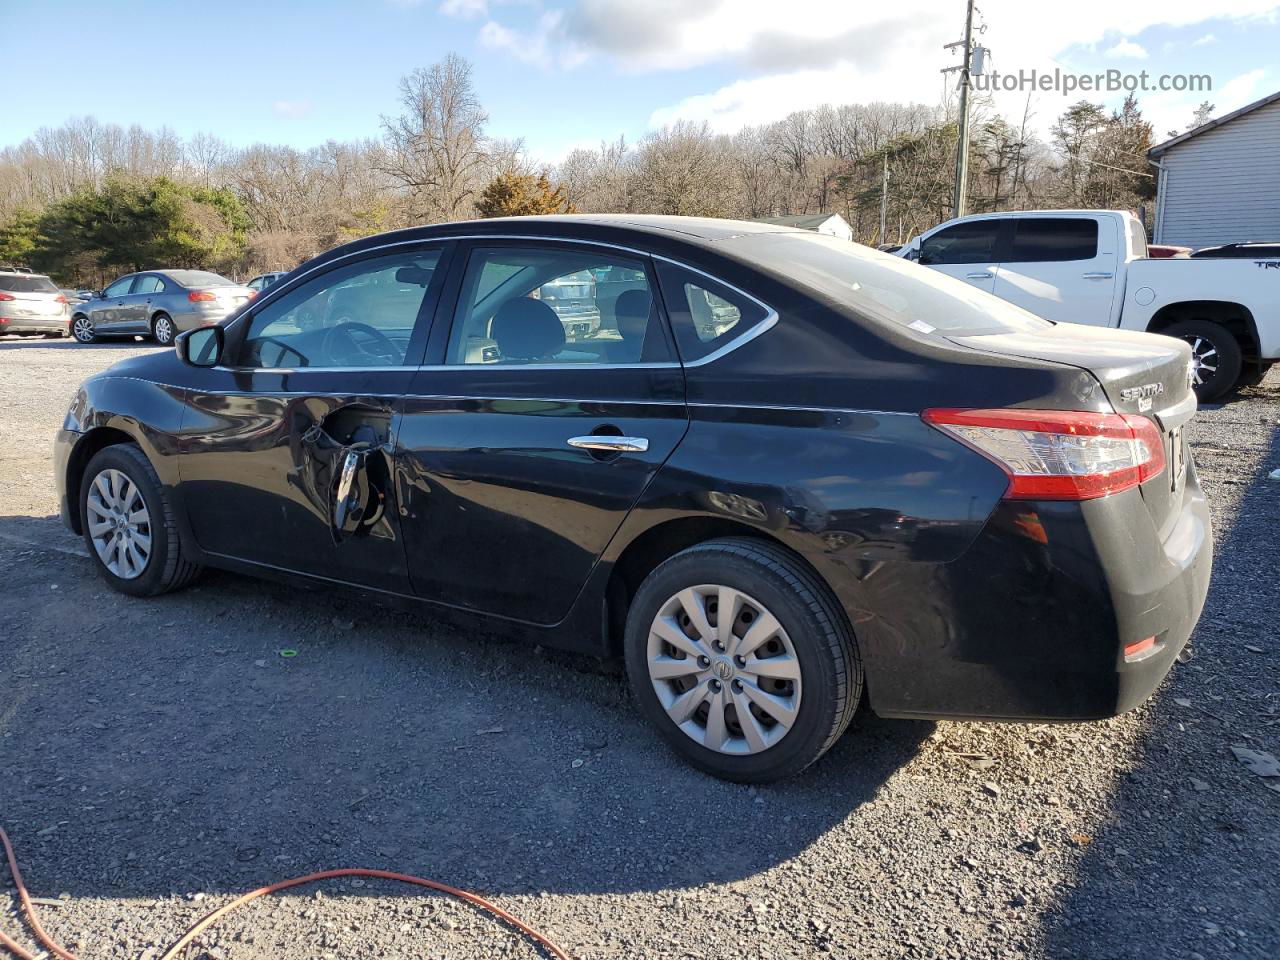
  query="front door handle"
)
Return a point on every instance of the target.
[
  {"x": 608, "y": 444},
  {"x": 983, "y": 275},
  {"x": 1098, "y": 276}
]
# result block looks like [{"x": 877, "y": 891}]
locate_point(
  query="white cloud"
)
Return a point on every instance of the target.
[
  {"x": 462, "y": 9},
  {"x": 1207, "y": 39},
  {"x": 292, "y": 109},
  {"x": 1127, "y": 49},
  {"x": 543, "y": 46},
  {"x": 1240, "y": 90}
]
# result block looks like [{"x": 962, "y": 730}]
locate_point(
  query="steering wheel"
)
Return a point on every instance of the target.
[{"x": 341, "y": 342}]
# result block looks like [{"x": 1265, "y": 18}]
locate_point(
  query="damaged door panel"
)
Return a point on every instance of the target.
[
  {"x": 274, "y": 464},
  {"x": 287, "y": 450}
]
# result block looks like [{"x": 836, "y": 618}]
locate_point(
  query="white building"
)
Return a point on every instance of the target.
[
  {"x": 1220, "y": 183},
  {"x": 832, "y": 224}
]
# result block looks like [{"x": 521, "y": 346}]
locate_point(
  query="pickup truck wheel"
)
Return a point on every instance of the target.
[{"x": 1216, "y": 359}]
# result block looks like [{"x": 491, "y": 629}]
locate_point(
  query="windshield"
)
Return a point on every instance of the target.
[
  {"x": 27, "y": 284},
  {"x": 886, "y": 288},
  {"x": 199, "y": 278}
]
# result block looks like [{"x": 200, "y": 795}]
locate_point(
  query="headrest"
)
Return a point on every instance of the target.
[
  {"x": 527, "y": 329},
  {"x": 632, "y": 313}
]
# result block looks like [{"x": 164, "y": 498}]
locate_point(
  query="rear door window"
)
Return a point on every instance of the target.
[
  {"x": 148, "y": 285},
  {"x": 972, "y": 242},
  {"x": 555, "y": 304},
  {"x": 1045, "y": 239}
]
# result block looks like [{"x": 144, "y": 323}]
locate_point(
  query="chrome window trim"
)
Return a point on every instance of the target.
[{"x": 764, "y": 325}]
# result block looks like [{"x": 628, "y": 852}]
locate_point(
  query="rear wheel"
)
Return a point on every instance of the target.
[
  {"x": 742, "y": 660},
  {"x": 82, "y": 329},
  {"x": 129, "y": 525},
  {"x": 162, "y": 329},
  {"x": 1216, "y": 358}
]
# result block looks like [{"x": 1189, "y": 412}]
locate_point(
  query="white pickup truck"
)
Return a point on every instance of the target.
[{"x": 1091, "y": 266}]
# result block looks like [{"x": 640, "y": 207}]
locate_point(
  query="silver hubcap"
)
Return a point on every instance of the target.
[
  {"x": 83, "y": 329},
  {"x": 119, "y": 524},
  {"x": 724, "y": 669},
  {"x": 163, "y": 330},
  {"x": 1204, "y": 359}
]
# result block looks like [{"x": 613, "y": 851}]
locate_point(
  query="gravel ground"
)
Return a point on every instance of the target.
[{"x": 158, "y": 756}]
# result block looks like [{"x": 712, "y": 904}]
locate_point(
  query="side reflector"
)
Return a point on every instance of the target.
[{"x": 1134, "y": 651}]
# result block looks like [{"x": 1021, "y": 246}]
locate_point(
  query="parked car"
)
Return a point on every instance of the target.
[
  {"x": 264, "y": 280},
  {"x": 158, "y": 304},
  {"x": 30, "y": 303},
  {"x": 1245, "y": 251},
  {"x": 573, "y": 298},
  {"x": 872, "y": 482},
  {"x": 1090, "y": 267}
]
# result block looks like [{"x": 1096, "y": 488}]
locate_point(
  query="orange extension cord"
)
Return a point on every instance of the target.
[{"x": 174, "y": 951}]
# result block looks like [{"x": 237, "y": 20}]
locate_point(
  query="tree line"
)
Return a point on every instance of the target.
[{"x": 87, "y": 200}]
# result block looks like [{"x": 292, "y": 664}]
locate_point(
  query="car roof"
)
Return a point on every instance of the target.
[{"x": 22, "y": 273}]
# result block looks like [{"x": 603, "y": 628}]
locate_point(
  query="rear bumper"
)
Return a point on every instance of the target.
[
  {"x": 1031, "y": 623},
  {"x": 34, "y": 325}
]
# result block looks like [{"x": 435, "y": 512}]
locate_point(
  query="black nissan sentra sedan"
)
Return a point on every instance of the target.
[{"x": 778, "y": 473}]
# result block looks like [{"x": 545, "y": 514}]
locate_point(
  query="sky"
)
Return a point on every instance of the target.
[{"x": 570, "y": 73}]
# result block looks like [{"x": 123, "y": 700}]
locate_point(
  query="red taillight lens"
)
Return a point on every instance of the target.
[
  {"x": 252, "y": 294},
  {"x": 7, "y": 296},
  {"x": 1059, "y": 454},
  {"x": 200, "y": 296},
  {"x": 61, "y": 298}
]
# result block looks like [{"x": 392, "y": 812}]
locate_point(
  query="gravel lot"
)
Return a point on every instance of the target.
[{"x": 158, "y": 756}]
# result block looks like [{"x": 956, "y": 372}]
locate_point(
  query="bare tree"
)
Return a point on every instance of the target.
[{"x": 436, "y": 147}]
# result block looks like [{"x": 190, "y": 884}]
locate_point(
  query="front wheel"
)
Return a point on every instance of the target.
[
  {"x": 82, "y": 329},
  {"x": 1216, "y": 358},
  {"x": 129, "y": 525},
  {"x": 742, "y": 660},
  {"x": 162, "y": 329}
]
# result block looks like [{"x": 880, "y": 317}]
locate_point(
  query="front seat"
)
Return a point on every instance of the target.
[
  {"x": 526, "y": 329},
  {"x": 631, "y": 311}
]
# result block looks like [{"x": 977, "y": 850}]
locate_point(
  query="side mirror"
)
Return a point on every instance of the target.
[
  {"x": 914, "y": 254},
  {"x": 201, "y": 347}
]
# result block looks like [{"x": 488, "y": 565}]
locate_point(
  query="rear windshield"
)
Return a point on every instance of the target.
[
  {"x": 27, "y": 284},
  {"x": 886, "y": 288},
  {"x": 199, "y": 278}
]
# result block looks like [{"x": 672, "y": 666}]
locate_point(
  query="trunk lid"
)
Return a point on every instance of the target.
[
  {"x": 1140, "y": 373},
  {"x": 229, "y": 297}
]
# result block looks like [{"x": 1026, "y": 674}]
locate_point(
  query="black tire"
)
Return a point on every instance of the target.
[
  {"x": 85, "y": 332},
  {"x": 831, "y": 669},
  {"x": 158, "y": 328},
  {"x": 166, "y": 569},
  {"x": 1226, "y": 351},
  {"x": 1255, "y": 374}
]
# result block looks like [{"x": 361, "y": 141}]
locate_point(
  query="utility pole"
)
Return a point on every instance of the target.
[
  {"x": 884, "y": 198},
  {"x": 962, "y": 147}
]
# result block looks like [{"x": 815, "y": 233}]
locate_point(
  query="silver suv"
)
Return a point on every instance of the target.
[{"x": 31, "y": 303}]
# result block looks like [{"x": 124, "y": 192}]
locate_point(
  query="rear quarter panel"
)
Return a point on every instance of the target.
[{"x": 1254, "y": 284}]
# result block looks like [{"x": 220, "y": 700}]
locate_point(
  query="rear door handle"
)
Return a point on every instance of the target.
[
  {"x": 1098, "y": 276},
  {"x": 596, "y": 441},
  {"x": 984, "y": 275}
]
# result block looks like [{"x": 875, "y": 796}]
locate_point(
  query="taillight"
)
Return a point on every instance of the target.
[
  {"x": 200, "y": 296},
  {"x": 252, "y": 294},
  {"x": 61, "y": 298},
  {"x": 1059, "y": 454},
  {"x": 7, "y": 296}
]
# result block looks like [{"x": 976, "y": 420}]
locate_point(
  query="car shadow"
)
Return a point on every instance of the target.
[
  {"x": 17, "y": 342},
  {"x": 1180, "y": 870},
  {"x": 239, "y": 732}
]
